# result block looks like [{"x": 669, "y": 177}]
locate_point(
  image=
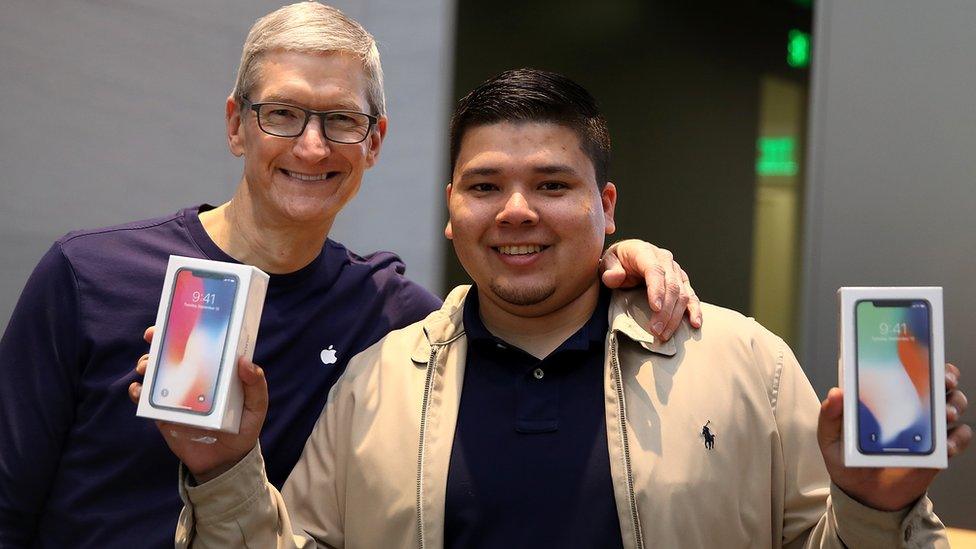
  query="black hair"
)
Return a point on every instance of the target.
[{"x": 531, "y": 95}]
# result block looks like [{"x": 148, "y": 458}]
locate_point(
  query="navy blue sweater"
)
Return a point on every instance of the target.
[{"x": 77, "y": 467}]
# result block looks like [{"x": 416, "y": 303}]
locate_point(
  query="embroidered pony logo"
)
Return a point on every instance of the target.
[{"x": 708, "y": 436}]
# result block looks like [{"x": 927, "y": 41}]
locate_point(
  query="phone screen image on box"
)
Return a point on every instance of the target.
[
  {"x": 194, "y": 340},
  {"x": 894, "y": 377}
]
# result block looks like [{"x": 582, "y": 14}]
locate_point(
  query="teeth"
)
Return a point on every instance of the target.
[
  {"x": 304, "y": 177},
  {"x": 519, "y": 250}
]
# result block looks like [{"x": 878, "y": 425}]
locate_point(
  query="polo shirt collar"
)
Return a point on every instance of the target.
[{"x": 594, "y": 331}]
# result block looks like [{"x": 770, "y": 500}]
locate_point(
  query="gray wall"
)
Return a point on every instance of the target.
[
  {"x": 892, "y": 180},
  {"x": 113, "y": 110}
]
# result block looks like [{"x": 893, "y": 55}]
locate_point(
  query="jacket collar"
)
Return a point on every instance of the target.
[
  {"x": 628, "y": 312},
  {"x": 443, "y": 325}
]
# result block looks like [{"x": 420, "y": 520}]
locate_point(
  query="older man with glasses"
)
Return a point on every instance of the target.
[{"x": 77, "y": 468}]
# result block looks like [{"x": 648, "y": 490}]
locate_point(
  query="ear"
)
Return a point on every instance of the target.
[
  {"x": 235, "y": 127},
  {"x": 375, "y": 141},
  {"x": 608, "y": 196},
  {"x": 449, "y": 230}
]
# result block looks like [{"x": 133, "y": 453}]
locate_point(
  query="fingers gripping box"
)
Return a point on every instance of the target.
[
  {"x": 892, "y": 371},
  {"x": 208, "y": 316}
]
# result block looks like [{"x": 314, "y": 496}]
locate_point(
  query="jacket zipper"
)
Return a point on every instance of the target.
[
  {"x": 420, "y": 452},
  {"x": 619, "y": 383}
]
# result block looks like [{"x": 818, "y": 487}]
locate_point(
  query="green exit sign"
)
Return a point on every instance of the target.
[
  {"x": 777, "y": 156},
  {"x": 798, "y": 49}
]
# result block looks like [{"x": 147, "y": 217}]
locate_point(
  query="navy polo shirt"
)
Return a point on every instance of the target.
[{"x": 530, "y": 465}]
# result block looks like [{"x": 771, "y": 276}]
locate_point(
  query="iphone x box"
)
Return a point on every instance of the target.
[
  {"x": 892, "y": 371},
  {"x": 209, "y": 315}
]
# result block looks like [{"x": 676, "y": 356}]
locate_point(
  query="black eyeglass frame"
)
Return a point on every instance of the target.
[{"x": 256, "y": 107}]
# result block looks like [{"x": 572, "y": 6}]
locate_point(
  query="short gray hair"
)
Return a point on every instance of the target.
[{"x": 310, "y": 27}]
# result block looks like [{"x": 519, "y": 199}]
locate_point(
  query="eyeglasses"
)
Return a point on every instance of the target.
[{"x": 284, "y": 120}]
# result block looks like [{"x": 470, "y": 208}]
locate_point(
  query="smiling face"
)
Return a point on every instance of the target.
[
  {"x": 304, "y": 179},
  {"x": 527, "y": 218}
]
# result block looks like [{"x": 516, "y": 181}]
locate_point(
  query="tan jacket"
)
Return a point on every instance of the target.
[{"x": 374, "y": 471}]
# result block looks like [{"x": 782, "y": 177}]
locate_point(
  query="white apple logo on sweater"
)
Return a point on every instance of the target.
[{"x": 328, "y": 356}]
